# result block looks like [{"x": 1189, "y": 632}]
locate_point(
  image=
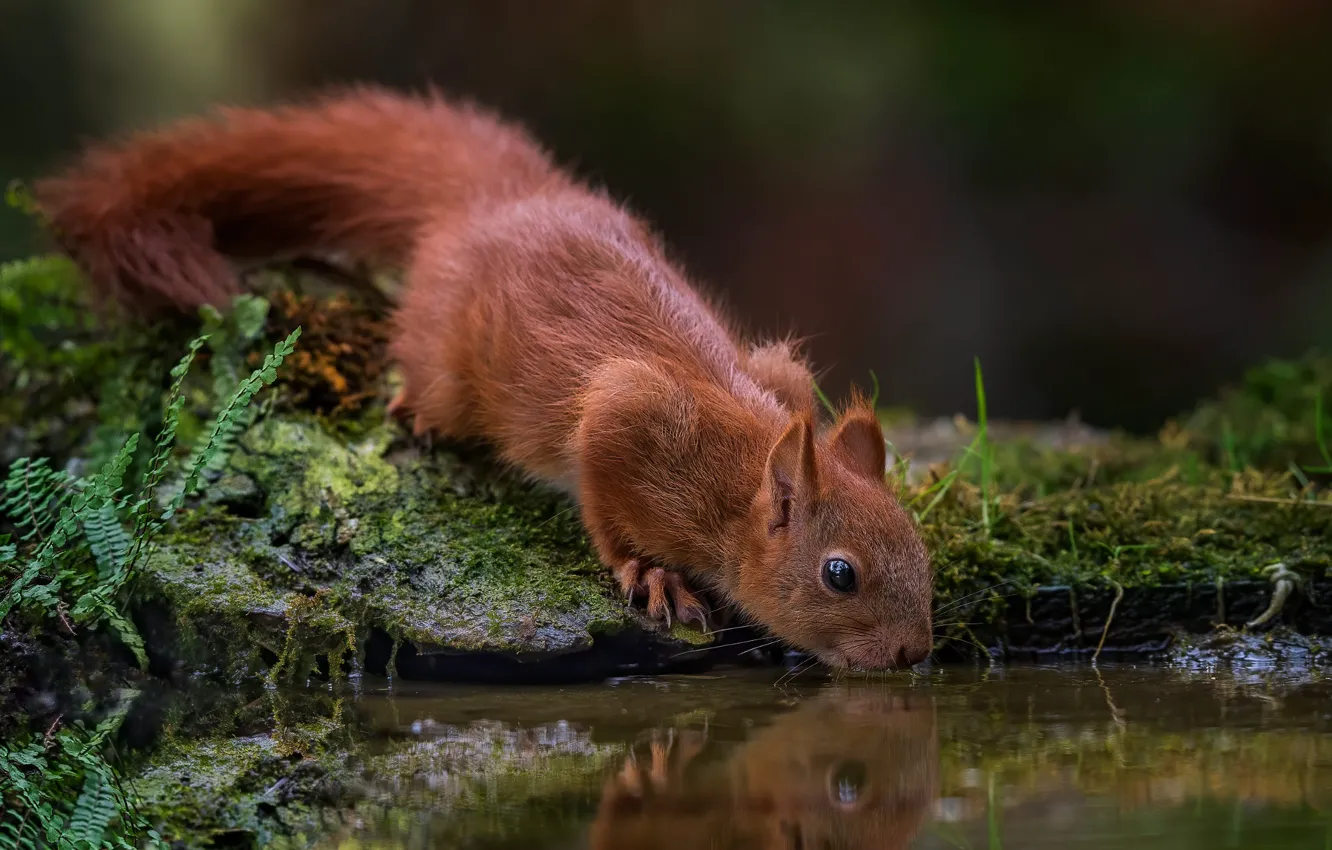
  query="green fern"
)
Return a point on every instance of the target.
[
  {"x": 225, "y": 428},
  {"x": 140, "y": 513},
  {"x": 83, "y": 539},
  {"x": 230, "y": 338},
  {"x": 92, "y": 495},
  {"x": 92, "y": 516},
  {"x": 33, "y": 495},
  {"x": 93, "y": 811},
  {"x": 58, "y": 790},
  {"x": 107, "y": 539}
]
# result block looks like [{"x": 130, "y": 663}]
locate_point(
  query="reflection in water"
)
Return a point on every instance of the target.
[
  {"x": 1019, "y": 759},
  {"x": 853, "y": 767}
]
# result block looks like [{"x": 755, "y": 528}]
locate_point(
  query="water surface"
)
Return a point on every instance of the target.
[{"x": 1024, "y": 757}]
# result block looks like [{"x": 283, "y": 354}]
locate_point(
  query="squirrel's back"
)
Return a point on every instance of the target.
[{"x": 152, "y": 219}]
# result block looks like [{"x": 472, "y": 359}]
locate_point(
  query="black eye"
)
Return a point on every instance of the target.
[
  {"x": 839, "y": 575},
  {"x": 846, "y": 781}
]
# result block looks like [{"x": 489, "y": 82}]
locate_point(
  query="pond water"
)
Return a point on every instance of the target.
[{"x": 1021, "y": 757}]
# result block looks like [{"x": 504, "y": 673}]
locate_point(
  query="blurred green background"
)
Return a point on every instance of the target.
[{"x": 1115, "y": 205}]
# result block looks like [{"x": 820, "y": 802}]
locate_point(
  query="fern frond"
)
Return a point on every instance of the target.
[
  {"x": 33, "y": 494},
  {"x": 140, "y": 515},
  {"x": 116, "y": 551},
  {"x": 19, "y": 829},
  {"x": 224, "y": 427},
  {"x": 107, "y": 539},
  {"x": 93, "y": 813},
  {"x": 230, "y": 338},
  {"x": 94, "y": 493},
  {"x": 126, "y": 631},
  {"x": 28, "y": 778}
]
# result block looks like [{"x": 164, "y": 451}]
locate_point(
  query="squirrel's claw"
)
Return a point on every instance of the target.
[
  {"x": 630, "y": 577},
  {"x": 666, "y": 591}
]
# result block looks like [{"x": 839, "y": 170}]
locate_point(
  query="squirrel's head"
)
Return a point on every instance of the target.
[{"x": 833, "y": 563}]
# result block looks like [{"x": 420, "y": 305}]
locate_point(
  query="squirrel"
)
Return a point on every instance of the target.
[
  {"x": 542, "y": 317},
  {"x": 854, "y": 767}
]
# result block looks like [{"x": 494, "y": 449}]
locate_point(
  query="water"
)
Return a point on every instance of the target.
[{"x": 1126, "y": 756}]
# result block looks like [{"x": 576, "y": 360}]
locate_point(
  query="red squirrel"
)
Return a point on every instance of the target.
[{"x": 540, "y": 316}]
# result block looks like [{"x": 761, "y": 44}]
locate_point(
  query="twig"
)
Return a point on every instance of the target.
[
  {"x": 1271, "y": 500},
  {"x": 50, "y": 731},
  {"x": 61, "y": 610},
  {"x": 1109, "y": 618}
]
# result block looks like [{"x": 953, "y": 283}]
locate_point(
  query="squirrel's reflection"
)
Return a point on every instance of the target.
[{"x": 853, "y": 767}]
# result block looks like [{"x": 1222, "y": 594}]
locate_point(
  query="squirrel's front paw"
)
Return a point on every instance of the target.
[{"x": 666, "y": 591}]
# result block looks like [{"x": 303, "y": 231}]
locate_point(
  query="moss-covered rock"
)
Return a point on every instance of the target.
[
  {"x": 347, "y": 539},
  {"x": 248, "y": 784},
  {"x": 326, "y": 535}
]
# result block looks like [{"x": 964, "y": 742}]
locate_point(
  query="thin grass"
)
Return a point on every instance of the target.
[
  {"x": 1320, "y": 437},
  {"x": 984, "y": 447}
]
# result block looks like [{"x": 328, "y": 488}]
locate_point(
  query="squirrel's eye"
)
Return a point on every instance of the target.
[
  {"x": 839, "y": 575},
  {"x": 846, "y": 781}
]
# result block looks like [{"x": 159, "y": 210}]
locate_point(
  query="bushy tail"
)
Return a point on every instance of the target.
[{"x": 152, "y": 220}]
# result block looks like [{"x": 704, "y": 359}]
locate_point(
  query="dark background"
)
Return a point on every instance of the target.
[{"x": 1115, "y": 205}]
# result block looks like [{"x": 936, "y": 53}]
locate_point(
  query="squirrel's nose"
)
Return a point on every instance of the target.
[
  {"x": 910, "y": 656},
  {"x": 911, "y": 652},
  {"x": 891, "y": 653}
]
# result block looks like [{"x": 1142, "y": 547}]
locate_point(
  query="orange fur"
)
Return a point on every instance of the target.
[{"x": 542, "y": 317}]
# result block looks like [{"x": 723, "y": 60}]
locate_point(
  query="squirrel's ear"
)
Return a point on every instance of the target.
[
  {"x": 792, "y": 476},
  {"x": 857, "y": 441}
]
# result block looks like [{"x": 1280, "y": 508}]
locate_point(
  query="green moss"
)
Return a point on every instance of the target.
[
  {"x": 436, "y": 550},
  {"x": 64, "y": 380},
  {"x": 1267, "y": 419},
  {"x": 1130, "y": 512},
  {"x": 1027, "y": 466},
  {"x": 205, "y": 792},
  {"x": 1137, "y": 534}
]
